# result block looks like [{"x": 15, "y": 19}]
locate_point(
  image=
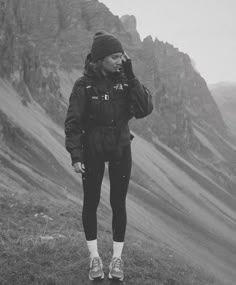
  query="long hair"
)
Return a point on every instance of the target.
[{"x": 93, "y": 69}]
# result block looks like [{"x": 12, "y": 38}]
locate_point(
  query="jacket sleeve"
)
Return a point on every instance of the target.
[
  {"x": 75, "y": 122},
  {"x": 140, "y": 99}
]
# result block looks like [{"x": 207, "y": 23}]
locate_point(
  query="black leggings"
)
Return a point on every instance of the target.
[{"x": 119, "y": 174}]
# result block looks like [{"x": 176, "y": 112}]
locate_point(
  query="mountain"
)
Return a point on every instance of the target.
[
  {"x": 225, "y": 97},
  {"x": 182, "y": 190},
  {"x": 224, "y": 94}
]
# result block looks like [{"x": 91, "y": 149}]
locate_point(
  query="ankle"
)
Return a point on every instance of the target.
[
  {"x": 117, "y": 249},
  {"x": 93, "y": 248},
  {"x": 92, "y": 256}
]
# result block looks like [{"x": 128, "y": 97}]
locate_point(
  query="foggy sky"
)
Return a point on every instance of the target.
[{"x": 205, "y": 29}]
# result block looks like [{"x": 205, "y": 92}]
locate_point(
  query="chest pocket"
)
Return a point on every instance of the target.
[
  {"x": 120, "y": 101},
  {"x": 106, "y": 109}
]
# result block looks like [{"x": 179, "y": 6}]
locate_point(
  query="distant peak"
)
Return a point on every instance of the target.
[
  {"x": 130, "y": 24},
  {"x": 148, "y": 38},
  {"x": 129, "y": 20}
]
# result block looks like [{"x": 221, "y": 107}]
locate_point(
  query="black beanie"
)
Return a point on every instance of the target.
[{"x": 104, "y": 44}]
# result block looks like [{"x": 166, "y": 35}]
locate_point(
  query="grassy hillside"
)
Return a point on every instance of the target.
[{"x": 43, "y": 243}]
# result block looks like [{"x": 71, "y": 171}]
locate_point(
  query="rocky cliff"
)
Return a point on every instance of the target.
[
  {"x": 42, "y": 42},
  {"x": 38, "y": 38}
]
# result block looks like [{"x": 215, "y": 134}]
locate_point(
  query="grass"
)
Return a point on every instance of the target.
[{"x": 42, "y": 243}]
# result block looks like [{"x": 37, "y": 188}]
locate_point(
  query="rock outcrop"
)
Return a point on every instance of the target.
[
  {"x": 41, "y": 39},
  {"x": 130, "y": 25}
]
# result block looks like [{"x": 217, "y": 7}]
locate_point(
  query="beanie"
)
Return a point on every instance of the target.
[{"x": 103, "y": 45}]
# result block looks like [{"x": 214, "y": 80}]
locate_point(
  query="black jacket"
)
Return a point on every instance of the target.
[{"x": 99, "y": 105}]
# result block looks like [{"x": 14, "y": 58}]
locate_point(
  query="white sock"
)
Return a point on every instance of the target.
[
  {"x": 93, "y": 248},
  {"x": 117, "y": 249}
]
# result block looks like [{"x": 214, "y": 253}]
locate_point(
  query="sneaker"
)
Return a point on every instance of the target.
[
  {"x": 96, "y": 271},
  {"x": 116, "y": 269}
]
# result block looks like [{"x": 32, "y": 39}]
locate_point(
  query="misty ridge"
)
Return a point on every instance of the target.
[{"x": 182, "y": 199}]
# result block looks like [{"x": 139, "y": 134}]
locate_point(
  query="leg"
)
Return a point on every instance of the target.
[
  {"x": 92, "y": 180},
  {"x": 119, "y": 173}
]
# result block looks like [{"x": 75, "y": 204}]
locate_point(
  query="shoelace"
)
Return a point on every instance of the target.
[
  {"x": 117, "y": 264},
  {"x": 96, "y": 264}
]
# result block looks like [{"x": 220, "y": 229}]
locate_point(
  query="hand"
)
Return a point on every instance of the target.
[
  {"x": 79, "y": 167},
  {"x": 127, "y": 66}
]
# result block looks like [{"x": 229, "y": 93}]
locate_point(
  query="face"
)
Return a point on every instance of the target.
[{"x": 112, "y": 62}]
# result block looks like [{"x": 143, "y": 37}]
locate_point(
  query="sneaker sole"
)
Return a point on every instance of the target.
[
  {"x": 97, "y": 278},
  {"x": 115, "y": 278}
]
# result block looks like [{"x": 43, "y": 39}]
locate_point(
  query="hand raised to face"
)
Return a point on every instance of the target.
[
  {"x": 127, "y": 66},
  {"x": 125, "y": 57}
]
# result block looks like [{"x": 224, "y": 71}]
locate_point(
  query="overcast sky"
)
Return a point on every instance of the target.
[{"x": 205, "y": 29}]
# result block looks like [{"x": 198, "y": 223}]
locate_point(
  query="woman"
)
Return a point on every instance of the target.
[{"x": 96, "y": 127}]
